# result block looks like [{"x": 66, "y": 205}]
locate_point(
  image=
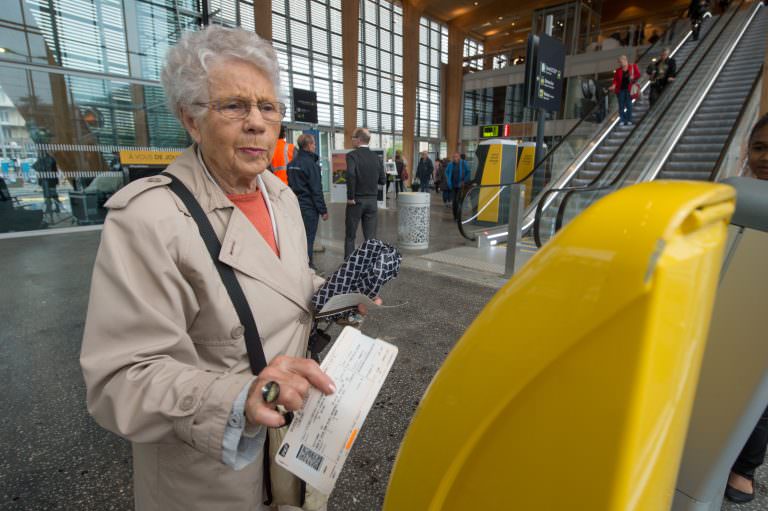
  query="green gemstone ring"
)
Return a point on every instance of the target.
[{"x": 270, "y": 392}]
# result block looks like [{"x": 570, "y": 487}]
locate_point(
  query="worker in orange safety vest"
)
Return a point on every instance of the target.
[{"x": 282, "y": 155}]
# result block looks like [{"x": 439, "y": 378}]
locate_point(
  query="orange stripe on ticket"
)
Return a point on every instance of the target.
[{"x": 351, "y": 439}]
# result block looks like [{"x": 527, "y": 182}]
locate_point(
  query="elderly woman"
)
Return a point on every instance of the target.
[
  {"x": 623, "y": 78},
  {"x": 163, "y": 355}
]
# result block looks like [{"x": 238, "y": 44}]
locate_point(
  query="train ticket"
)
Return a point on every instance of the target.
[{"x": 322, "y": 434}]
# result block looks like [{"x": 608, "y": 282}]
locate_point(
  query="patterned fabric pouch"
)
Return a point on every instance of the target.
[{"x": 368, "y": 268}]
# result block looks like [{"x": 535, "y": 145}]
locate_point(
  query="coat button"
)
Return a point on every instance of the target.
[
  {"x": 236, "y": 421},
  {"x": 237, "y": 331},
  {"x": 304, "y": 318},
  {"x": 187, "y": 403}
]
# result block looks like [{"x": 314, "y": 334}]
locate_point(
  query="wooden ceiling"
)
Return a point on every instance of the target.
[{"x": 506, "y": 23}]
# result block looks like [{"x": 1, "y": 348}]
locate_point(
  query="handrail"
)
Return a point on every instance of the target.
[
  {"x": 570, "y": 191},
  {"x": 742, "y": 112},
  {"x": 661, "y": 42}
]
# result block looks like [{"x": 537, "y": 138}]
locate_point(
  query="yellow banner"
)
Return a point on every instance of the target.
[
  {"x": 526, "y": 158},
  {"x": 148, "y": 157}
]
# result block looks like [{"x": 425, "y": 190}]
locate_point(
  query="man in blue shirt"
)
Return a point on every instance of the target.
[{"x": 456, "y": 176}]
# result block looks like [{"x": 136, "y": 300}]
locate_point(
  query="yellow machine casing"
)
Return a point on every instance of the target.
[{"x": 573, "y": 387}]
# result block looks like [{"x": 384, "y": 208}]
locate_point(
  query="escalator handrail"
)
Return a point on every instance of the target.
[
  {"x": 742, "y": 112},
  {"x": 592, "y": 186}
]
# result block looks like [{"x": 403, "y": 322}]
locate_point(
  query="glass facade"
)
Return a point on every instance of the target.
[
  {"x": 307, "y": 37},
  {"x": 380, "y": 72},
  {"x": 433, "y": 55},
  {"x": 473, "y": 47},
  {"x": 79, "y": 81}
]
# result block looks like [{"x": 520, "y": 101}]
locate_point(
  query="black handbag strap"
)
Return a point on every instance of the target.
[{"x": 253, "y": 345}]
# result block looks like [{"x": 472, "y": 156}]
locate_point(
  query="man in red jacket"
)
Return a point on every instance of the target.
[{"x": 624, "y": 77}]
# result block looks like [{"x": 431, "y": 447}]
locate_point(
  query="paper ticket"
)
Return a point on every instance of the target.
[{"x": 322, "y": 434}]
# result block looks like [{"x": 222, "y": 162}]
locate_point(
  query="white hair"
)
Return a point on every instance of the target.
[{"x": 185, "y": 74}]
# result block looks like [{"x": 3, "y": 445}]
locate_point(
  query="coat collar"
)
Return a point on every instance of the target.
[
  {"x": 242, "y": 246},
  {"x": 306, "y": 154}
]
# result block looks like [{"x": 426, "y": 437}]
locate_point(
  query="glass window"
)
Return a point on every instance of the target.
[
  {"x": 380, "y": 96},
  {"x": 87, "y": 88},
  {"x": 433, "y": 52},
  {"x": 302, "y": 38},
  {"x": 473, "y": 48}
]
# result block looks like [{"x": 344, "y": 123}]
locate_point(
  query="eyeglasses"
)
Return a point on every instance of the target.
[{"x": 239, "y": 109}]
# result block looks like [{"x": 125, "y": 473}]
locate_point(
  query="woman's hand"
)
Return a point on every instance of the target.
[
  {"x": 363, "y": 309},
  {"x": 295, "y": 377}
]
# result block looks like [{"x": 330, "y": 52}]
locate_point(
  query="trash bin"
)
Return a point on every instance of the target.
[{"x": 413, "y": 220}]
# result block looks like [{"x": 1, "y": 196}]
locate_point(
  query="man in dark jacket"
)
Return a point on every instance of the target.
[
  {"x": 661, "y": 72},
  {"x": 696, "y": 12},
  {"x": 304, "y": 179},
  {"x": 424, "y": 171},
  {"x": 365, "y": 172}
]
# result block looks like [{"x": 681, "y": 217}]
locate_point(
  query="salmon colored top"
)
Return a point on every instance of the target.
[{"x": 255, "y": 209}]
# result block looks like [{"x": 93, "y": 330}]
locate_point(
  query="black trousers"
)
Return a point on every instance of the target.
[
  {"x": 365, "y": 210},
  {"x": 753, "y": 453},
  {"x": 311, "y": 219},
  {"x": 457, "y": 193},
  {"x": 656, "y": 90}
]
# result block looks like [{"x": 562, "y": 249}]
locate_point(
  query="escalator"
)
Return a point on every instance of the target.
[
  {"x": 698, "y": 151},
  {"x": 619, "y": 133},
  {"x": 582, "y": 153},
  {"x": 688, "y": 131}
]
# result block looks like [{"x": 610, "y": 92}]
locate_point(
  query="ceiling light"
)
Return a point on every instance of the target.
[
  {"x": 501, "y": 18},
  {"x": 513, "y": 23},
  {"x": 475, "y": 3},
  {"x": 3, "y": 50}
]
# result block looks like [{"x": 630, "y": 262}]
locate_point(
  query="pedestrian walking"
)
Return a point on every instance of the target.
[
  {"x": 304, "y": 178},
  {"x": 424, "y": 171},
  {"x": 456, "y": 176},
  {"x": 365, "y": 172}
]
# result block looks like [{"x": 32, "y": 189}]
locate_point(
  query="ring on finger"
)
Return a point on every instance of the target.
[{"x": 270, "y": 392}]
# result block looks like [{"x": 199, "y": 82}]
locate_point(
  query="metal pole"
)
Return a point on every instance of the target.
[
  {"x": 516, "y": 201},
  {"x": 542, "y": 113}
]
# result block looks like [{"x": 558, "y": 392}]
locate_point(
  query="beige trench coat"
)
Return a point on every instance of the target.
[{"x": 163, "y": 352}]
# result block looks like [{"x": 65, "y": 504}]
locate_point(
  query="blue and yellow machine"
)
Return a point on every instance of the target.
[{"x": 573, "y": 388}]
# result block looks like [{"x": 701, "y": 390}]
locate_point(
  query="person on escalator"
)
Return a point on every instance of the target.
[
  {"x": 625, "y": 76},
  {"x": 661, "y": 72},
  {"x": 696, "y": 12},
  {"x": 741, "y": 486}
]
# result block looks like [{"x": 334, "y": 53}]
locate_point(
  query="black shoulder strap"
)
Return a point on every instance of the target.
[{"x": 252, "y": 340}]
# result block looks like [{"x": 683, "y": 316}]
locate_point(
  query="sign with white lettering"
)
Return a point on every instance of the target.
[
  {"x": 545, "y": 67},
  {"x": 305, "y": 106}
]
